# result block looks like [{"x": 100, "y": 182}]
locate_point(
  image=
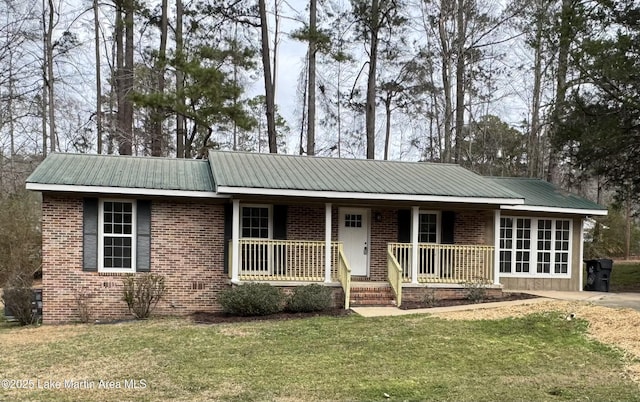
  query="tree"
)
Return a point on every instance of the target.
[
  {"x": 374, "y": 17},
  {"x": 269, "y": 86}
]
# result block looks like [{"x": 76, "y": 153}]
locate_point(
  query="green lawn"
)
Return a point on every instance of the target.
[
  {"x": 540, "y": 357},
  {"x": 625, "y": 277}
]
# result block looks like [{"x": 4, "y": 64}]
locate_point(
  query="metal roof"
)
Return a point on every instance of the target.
[
  {"x": 123, "y": 172},
  {"x": 540, "y": 193},
  {"x": 236, "y": 170}
]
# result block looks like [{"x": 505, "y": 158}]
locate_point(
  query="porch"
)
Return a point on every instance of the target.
[{"x": 283, "y": 261}]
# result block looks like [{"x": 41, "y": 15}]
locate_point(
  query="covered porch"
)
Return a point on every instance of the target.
[{"x": 290, "y": 262}]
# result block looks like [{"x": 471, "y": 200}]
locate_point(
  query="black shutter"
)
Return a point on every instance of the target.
[
  {"x": 143, "y": 236},
  {"x": 448, "y": 225},
  {"x": 90, "y": 235},
  {"x": 228, "y": 227},
  {"x": 280, "y": 222},
  {"x": 280, "y": 233},
  {"x": 404, "y": 226}
]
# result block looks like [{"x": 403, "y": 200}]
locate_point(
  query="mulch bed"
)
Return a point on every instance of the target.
[
  {"x": 222, "y": 318},
  {"x": 507, "y": 296}
]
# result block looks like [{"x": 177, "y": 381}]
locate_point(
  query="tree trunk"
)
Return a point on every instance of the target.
[
  {"x": 370, "y": 111},
  {"x": 96, "y": 26},
  {"x": 561, "y": 83},
  {"x": 311, "y": 92},
  {"x": 268, "y": 79},
  {"x": 460, "y": 79},
  {"x": 49, "y": 49},
  {"x": 387, "y": 129},
  {"x": 628, "y": 223},
  {"x": 534, "y": 131},
  {"x": 158, "y": 114},
  {"x": 180, "y": 121},
  {"x": 119, "y": 79},
  {"x": 446, "y": 85}
]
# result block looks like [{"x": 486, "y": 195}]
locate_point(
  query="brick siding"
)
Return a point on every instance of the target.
[{"x": 186, "y": 248}]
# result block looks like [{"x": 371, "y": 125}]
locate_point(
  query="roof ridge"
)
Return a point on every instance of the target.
[
  {"x": 264, "y": 154},
  {"x": 145, "y": 157}
]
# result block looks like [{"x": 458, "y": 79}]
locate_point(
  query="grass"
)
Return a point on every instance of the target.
[
  {"x": 539, "y": 357},
  {"x": 625, "y": 277}
]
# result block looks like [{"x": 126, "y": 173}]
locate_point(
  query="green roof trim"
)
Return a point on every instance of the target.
[
  {"x": 240, "y": 170},
  {"x": 129, "y": 172},
  {"x": 539, "y": 193}
]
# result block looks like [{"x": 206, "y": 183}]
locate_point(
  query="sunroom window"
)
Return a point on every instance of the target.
[{"x": 534, "y": 246}]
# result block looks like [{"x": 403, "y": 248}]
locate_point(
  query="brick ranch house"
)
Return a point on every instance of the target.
[{"x": 371, "y": 230}]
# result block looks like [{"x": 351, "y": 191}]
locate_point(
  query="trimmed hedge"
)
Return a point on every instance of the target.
[
  {"x": 252, "y": 299},
  {"x": 309, "y": 298}
]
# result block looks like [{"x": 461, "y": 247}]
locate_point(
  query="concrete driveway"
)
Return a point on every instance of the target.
[{"x": 622, "y": 300}]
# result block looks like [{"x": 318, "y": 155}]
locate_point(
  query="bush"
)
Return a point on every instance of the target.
[
  {"x": 309, "y": 298},
  {"x": 18, "y": 299},
  {"x": 18, "y": 303},
  {"x": 251, "y": 299},
  {"x": 142, "y": 292},
  {"x": 476, "y": 291}
]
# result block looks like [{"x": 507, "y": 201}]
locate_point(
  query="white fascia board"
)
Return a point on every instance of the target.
[
  {"x": 366, "y": 196},
  {"x": 66, "y": 188},
  {"x": 560, "y": 210}
]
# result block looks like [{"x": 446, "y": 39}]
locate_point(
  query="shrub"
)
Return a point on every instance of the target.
[
  {"x": 18, "y": 299},
  {"x": 18, "y": 303},
  {"x": 83, "y": 297},
  {"x": 309, "y": 298},
  {"x": 251, "y": 299},
  {"x": 476, "y": 291},
  {"x": 142, "y": 292},
  {"x": 429, "y": 298}
]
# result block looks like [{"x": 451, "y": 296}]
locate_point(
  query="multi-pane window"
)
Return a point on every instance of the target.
[
  {"x": 523, "y": 244},
  {"x": 533, "y": 246},
  {"x": 544, "y": 246},
  {"x": 506, "y": 244},
  {"x": 561, "y": 265},
  {"x": 117, "y": 235},
  {"x": 255, "y": 222},
  {"x": 353, "y": 220},
  {"x": 428, "y": 228}
]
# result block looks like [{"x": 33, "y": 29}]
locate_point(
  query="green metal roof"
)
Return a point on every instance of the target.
[
  {"x": 234, "y": 170},
  {"x": 124, "y": 172},
  {"x": 540, "y": 193}
]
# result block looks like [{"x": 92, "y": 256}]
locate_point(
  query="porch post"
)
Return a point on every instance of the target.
[
  {"x": 235, "y": 242},
  {"x": 579, "y": 264},
  {"x": 415, "y": 223},
  {"x": 496, "y": 247},
  {"x": 327, "y": 242}
]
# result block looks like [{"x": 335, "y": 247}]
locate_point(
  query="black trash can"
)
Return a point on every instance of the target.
[{"x": 598, "y": 274}]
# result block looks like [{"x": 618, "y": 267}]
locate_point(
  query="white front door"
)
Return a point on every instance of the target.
[{"x": 353, "y": 232}]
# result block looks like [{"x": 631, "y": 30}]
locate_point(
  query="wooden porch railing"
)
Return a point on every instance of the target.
[
  {"x": 446, "y": 263},
  {"x": 344, "y": 276},
  {"x": 285, "y": 260},
  {"x": 394, "y": 275}
]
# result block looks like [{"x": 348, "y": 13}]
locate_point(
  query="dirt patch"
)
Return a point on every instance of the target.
[
  {"x": 506, "y": 296},
  {"x": 221, "y": 318},
  {"x": 612, "y": 326}
]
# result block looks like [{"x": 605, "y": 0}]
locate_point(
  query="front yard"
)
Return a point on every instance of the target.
[{"x": 542, "y": 356}]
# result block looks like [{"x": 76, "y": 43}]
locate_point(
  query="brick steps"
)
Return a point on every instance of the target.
[{"x": 372, "y": 296}]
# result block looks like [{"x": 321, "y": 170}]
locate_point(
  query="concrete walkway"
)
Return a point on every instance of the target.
[{"x": 615, "y": 300}]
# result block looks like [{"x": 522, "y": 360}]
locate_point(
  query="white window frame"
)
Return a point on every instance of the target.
[
  {"x": 438, "y": 215},
  {"x": 133, "y": 236},
  {"x": 270, "y": 252},
  {"x": 533, "y": 250},
  {"x": 436, "y": 258},
  {"x": 270, "y": 228}
]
